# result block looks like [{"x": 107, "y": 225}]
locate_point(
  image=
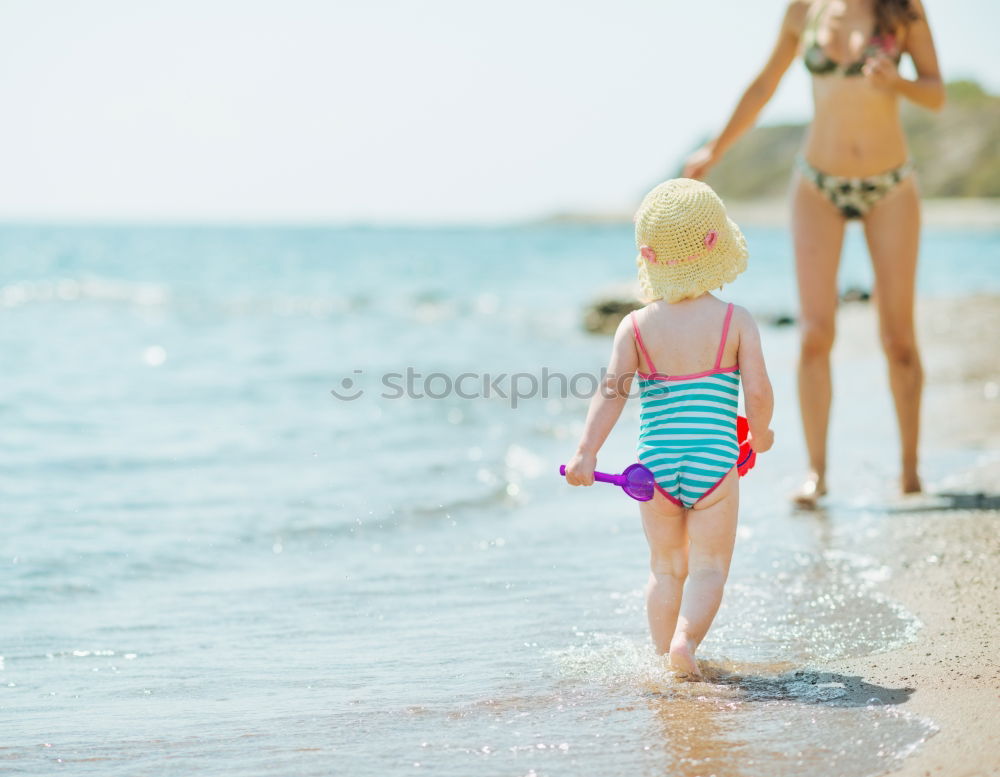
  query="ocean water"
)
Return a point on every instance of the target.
[{"x": 211, "y": 564}]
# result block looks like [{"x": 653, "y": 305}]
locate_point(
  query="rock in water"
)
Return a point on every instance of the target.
[{"x": 603, "y": 315}]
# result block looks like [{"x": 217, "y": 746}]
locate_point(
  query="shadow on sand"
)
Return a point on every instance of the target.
[
  {"x": 804, "y": 686},
  {"x": 916, "y": 503},
  {"x": 814, "y": 687},
  {"x": 950, "y": 500}
]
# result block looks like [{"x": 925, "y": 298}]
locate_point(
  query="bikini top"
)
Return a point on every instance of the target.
[{"x": 819, "y": 64}]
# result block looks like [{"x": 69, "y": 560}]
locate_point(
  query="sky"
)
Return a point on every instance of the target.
[{"x": 384, "y": 111}]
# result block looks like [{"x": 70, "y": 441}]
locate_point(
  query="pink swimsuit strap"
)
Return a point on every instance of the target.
[
  {"x": 718, "y": 355},
  {"x": 725, "y": 334},
  {"x": 642, "y": 345}
]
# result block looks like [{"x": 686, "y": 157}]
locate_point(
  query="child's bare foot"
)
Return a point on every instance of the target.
[
  {"x": 682, "y": 659},
  {"x": 809, "y": 493}
]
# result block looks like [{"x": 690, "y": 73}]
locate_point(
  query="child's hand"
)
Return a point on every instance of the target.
[
  {"x": 763, "y": 441},
  {"x": 580, "y": 470}
]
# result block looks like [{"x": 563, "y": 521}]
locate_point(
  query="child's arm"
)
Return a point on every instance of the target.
[
  {"x": 605, "y": 406},
  {"x": 758, "y": 397}
]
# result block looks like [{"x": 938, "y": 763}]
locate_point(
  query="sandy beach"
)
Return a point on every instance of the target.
[{"x": 946, "y": 562}]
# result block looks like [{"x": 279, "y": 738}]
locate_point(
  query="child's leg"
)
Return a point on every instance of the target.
[
  {"x": 711, "y": 525},
  {"x": 663, "y": 522}
]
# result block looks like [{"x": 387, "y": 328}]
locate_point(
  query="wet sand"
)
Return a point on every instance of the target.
[{"x": 946, "y": 562}]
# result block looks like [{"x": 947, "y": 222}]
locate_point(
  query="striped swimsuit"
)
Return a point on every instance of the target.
[{"x": 687, "y": 425}]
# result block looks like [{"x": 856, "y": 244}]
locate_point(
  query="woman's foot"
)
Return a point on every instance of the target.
[
  {"x": 682, "y": 659},
  {"x": 910, "y": 483},
  {"x": 810, "y": 492}
]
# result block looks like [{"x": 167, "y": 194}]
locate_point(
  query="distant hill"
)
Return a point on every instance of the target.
[{"x": 957, "y": 151}]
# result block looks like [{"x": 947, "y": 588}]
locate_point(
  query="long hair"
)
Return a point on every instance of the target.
[{"x": 894, "y": 15}]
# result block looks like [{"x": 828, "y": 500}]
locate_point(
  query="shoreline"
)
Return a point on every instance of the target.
[
  {"x": 946, "y": 562},
  {"x": 957, "y": 212}
]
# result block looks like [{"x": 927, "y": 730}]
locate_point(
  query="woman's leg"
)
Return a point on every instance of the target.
[
  {"x": 818, "y": 232},
  {"x": 711, "y": 526},
  {"x": 663, "y": 522},
  {"x": 892, "y": 230}
]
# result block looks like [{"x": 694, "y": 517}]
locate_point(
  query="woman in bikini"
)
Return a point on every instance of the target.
[{"x": 854, "y": 165}]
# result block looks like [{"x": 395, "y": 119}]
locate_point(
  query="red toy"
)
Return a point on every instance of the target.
[{"x": 748, "y": 456}]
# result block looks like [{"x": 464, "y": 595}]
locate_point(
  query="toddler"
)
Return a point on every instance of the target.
[{"x": 690, "y": 351}]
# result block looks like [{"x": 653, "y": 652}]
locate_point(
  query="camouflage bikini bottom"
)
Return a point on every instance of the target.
[{"x": 854, "y": 197}]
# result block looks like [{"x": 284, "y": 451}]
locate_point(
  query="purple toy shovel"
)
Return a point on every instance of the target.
[{"x": 636, "y": 481}]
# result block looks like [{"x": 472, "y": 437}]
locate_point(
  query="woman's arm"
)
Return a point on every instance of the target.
[
  {"x": 758, "y": 396},
  {"x": 927, "y": 89},
  {"x": 756, "y": 95},
  {"x": 605, "y": 406}
]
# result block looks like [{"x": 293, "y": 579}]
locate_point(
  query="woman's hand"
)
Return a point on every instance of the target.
[
  {"x": 580, "y": 470},
  {"x": 763, "y": 441},
  {"x": 699, "y": 163},
  {"x": 881, "y": 72}
]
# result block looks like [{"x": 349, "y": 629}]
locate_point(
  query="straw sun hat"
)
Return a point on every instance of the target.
[{"x": 687, "y": 244}]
